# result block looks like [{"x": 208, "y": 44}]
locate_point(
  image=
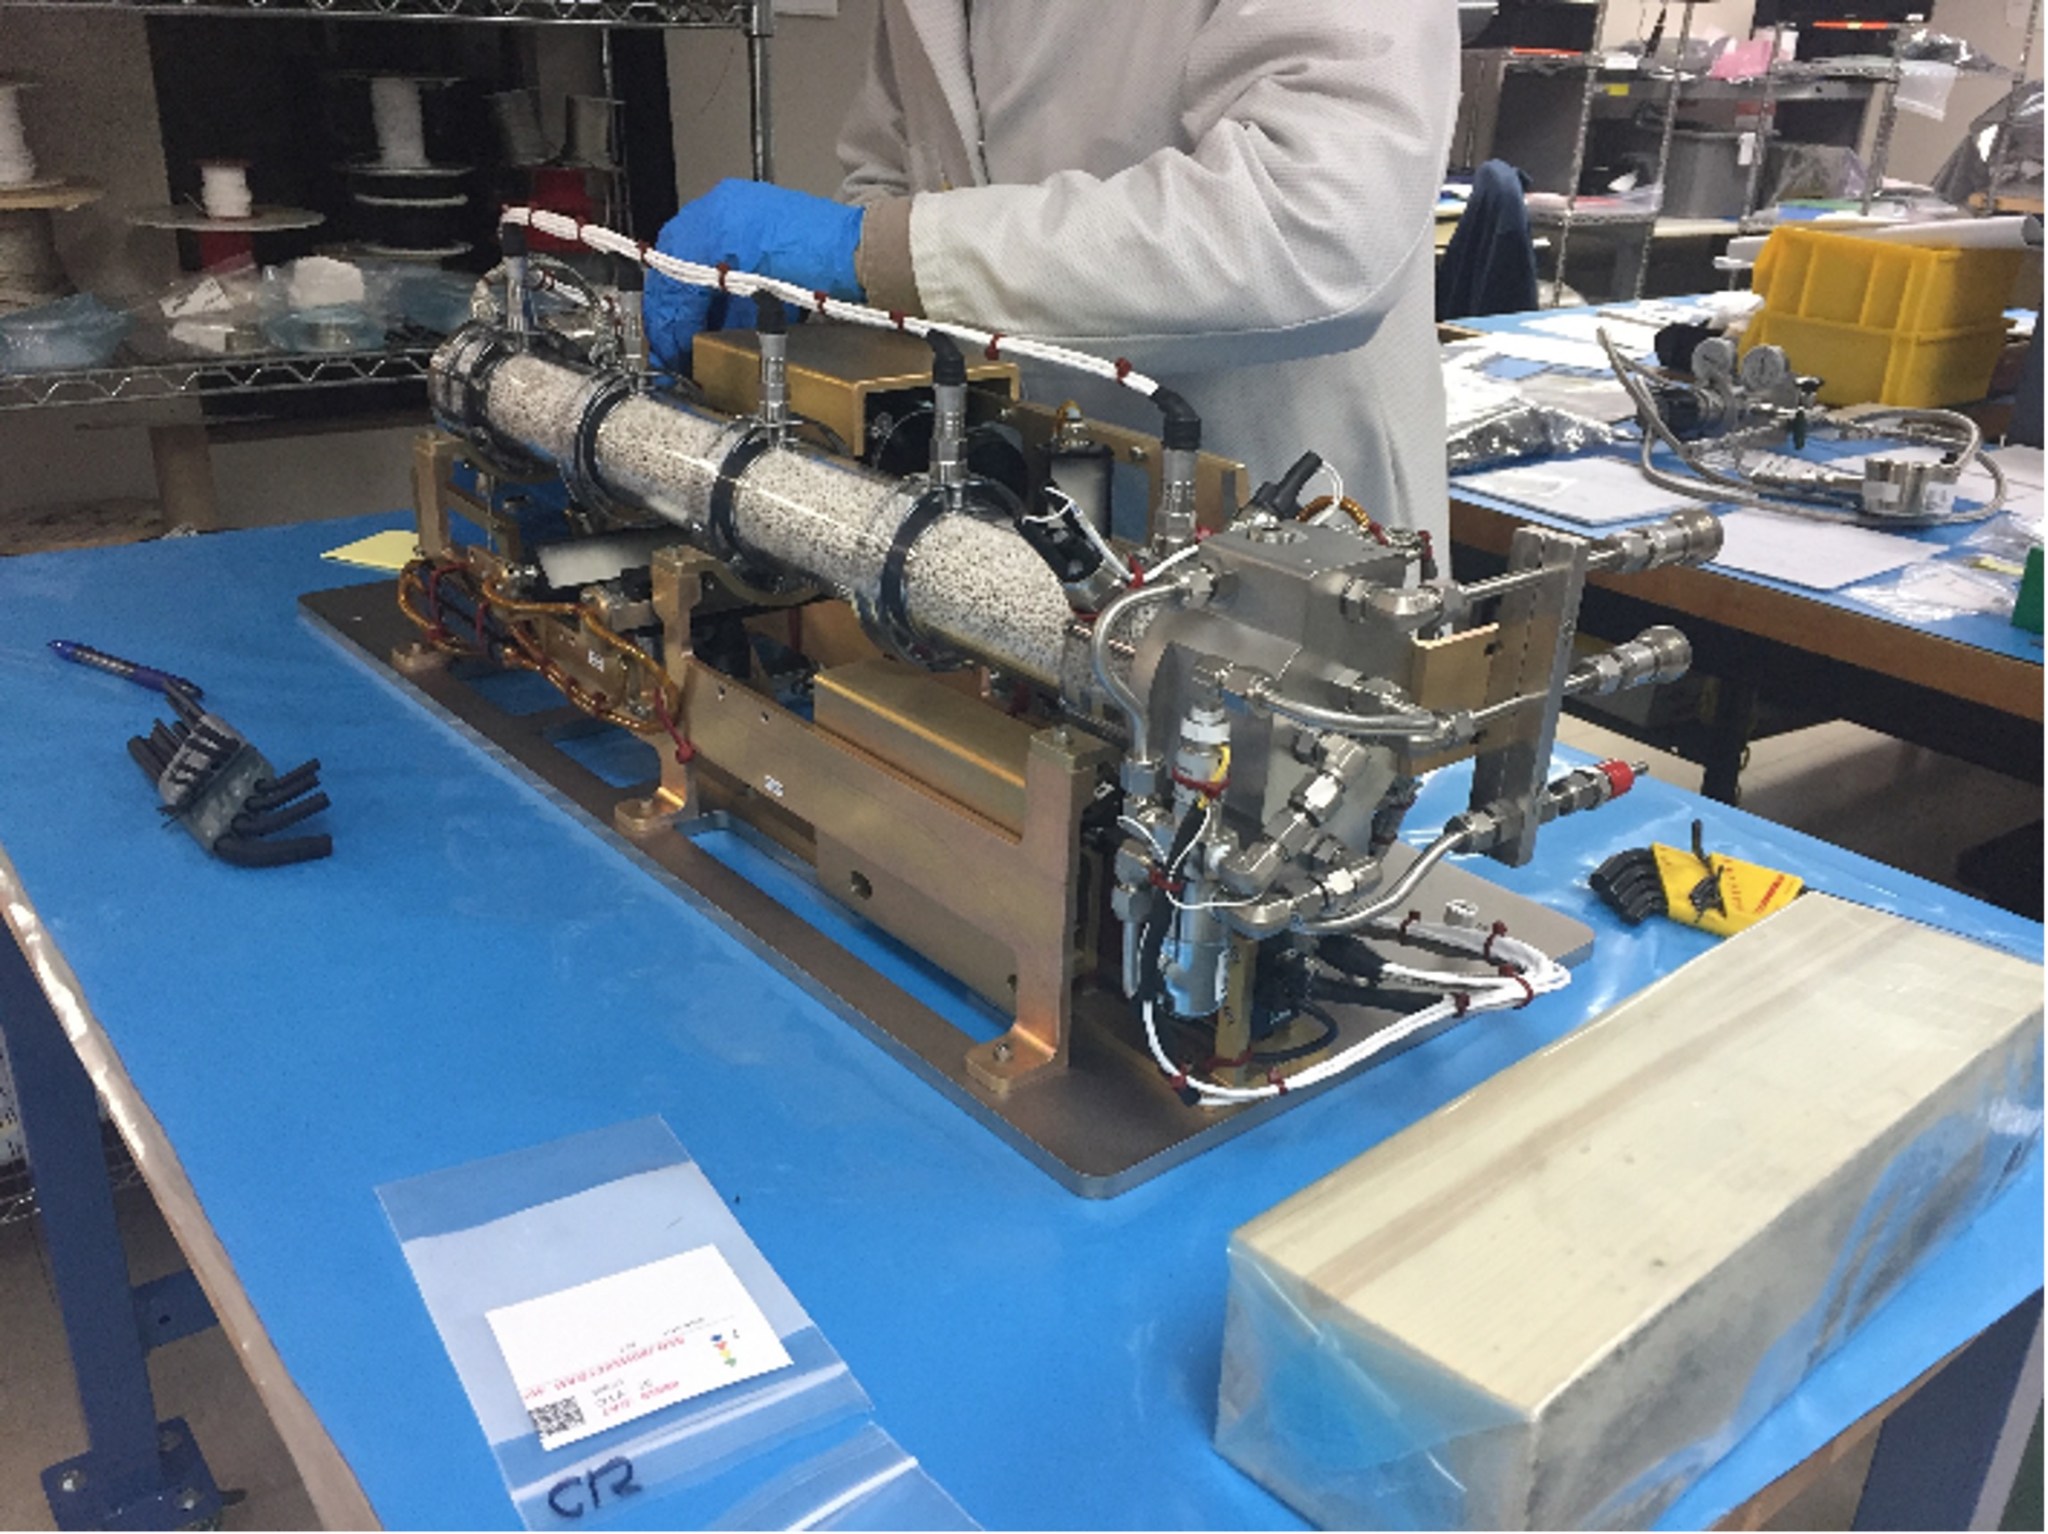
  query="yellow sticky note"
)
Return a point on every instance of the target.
[{"x": 380, "y": 551}]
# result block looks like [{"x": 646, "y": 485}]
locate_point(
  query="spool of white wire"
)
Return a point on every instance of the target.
[
  {"x": 518, "y": 115},
  {"x": 401, "y": 129},
  {"x": 224, "y": 188},
  {"x": 17, "y": 164}
]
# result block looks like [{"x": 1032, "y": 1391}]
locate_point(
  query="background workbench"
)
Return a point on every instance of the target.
[
  {"x": 478, "y": 970},
  {"x": 1968, "y": 686}
]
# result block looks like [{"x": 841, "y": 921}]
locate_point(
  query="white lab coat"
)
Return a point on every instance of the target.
[{"x": 1236, "y": 195}]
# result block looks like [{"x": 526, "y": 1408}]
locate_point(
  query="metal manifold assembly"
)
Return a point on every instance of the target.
[{"x": 1124, "y": 751}]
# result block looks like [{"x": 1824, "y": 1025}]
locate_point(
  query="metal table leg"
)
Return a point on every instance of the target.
[
  {"x": 137, "y": 1472},
  {"x": 1731, "y": 720}
]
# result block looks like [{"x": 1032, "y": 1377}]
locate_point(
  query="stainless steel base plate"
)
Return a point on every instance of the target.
[{"x": 1102, "y": 1126}]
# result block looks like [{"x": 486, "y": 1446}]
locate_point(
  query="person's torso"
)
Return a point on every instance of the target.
[
  {"x": 1007, "y": 91},
  {"x": 1078, "y": 84}
]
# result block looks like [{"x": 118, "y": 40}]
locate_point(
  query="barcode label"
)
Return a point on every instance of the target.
[{"x": 551, "y": 1418}]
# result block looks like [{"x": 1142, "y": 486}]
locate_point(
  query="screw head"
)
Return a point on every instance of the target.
[
  {"x": 1001, "y": 1052},
  {"x": 188, "y": 1500},
  {"x": 168, "y": 1439},
  {"x": 71, "y": 1480}
]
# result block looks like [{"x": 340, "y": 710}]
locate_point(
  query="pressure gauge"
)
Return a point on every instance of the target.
[
  {"x": 1765, "y": 369},
  {"x": 1713, "y": 361}
]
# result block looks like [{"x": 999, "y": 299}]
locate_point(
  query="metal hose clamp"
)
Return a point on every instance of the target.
[
  {"x": 594, "y": 401},
  {"x": 888, "y": 620},
  {"x": 458, "y": 385}
]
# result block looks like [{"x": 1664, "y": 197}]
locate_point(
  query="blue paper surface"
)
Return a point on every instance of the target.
[{"x": 478, "y": 970}]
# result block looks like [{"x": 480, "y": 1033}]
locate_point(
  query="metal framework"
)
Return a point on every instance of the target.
[
  {"x": 738, "y": 15},
  {"x": 209, "y": 376}
]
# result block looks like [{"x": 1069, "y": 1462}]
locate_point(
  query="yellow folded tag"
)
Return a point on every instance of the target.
[{"x": 1741, "y": 895}]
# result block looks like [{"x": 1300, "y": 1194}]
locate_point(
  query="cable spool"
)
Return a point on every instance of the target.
[
  {"x": 31, "y": 273},
  {"x": 410, "y": 223},
  {"x": 17, "y": 162},
  {"x": 591, "y": 120},
  {"x": 517, "y": 113},
  {"x": 400, "y": 124},
  {"x": 224, "y": 188}
]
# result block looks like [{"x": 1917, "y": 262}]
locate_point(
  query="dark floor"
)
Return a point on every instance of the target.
[{"x": 199, "y": 1379}]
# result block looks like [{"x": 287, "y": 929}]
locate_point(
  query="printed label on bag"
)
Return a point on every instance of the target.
[{"x": 588, "y": 1358}]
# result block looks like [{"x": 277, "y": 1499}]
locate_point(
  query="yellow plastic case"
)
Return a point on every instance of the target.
[{"x": 1913, "y": 325}]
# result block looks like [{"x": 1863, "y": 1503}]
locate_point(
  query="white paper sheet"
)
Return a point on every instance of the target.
[
  {"x": 1589, "y": 490},
  {"x": 1586, "y": 325},
  {"x": 1551, "y": 351},
  {"x": 1822, "y": 555},
  {"x": 2022, "y": 465},
  {"x": 588, "y": 1358}
]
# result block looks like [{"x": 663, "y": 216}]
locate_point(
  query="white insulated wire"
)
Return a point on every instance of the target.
[
  {"x": 1539, "y": 975},
  {"x": 991, "y": 343},
  {"x": 1153, "y": 573},
  {"x": 17, "y": 162},
  {"x": 399, "y": 122}
]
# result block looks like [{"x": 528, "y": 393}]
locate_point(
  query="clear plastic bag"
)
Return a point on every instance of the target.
[
  {"x": 1937, "y": 589},
  {"x": 866, "y": 1482},
  {"x": 531, "y": 1224},
  {"x": 1490, "y": 422}
]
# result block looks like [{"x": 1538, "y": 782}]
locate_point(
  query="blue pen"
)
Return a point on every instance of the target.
[{"x": 142, "y": 676}]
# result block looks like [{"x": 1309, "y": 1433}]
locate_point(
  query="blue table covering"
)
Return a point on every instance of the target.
[
  {"x": 477, "y": 969},
  {"x": 1982, "y": 630}
]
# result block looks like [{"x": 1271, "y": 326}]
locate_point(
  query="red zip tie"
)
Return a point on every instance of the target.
[
  {"x": 1161, "y": 881},
  {"x": 821, "y": 299},
  {"x": 1463, "y": 1001},
  {"x": 989, "y": 351},
  {"x": 1178, "y": 1081},
  {"x": 1209, "y": 790},
  {"x": 896, "y": 318},
  {"x": 1408, "y": 921},
  {"x": 724, "y": 271},
  {"x": 1500, "y": 929},
  {"x": 646, "y": 250},
  {"x": 1123, "y": 368},
  {"x": 1276, "y": 1081},
  {"x": 1528, "y": 990}
]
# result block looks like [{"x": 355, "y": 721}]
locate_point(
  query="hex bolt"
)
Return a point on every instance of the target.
[{"x": 1001, "y": 1052}]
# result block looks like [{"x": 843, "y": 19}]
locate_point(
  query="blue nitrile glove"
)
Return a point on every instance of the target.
[{"x": 752, "y": 227}]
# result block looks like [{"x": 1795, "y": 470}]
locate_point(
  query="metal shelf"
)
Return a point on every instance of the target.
[
  {"x": 751, "y": 16},
  {"x": 210, "y": 377}
]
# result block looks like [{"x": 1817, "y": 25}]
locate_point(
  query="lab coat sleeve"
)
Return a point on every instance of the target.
[
  {"x": 873, "y": 146},
  {"x": 1316, "y": 133}
]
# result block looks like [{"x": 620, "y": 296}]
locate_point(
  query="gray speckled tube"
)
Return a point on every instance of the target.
[{"x": 967, "y": 584}]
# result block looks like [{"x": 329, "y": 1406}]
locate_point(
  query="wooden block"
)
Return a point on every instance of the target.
[{"x": 1559, "y": 1299}]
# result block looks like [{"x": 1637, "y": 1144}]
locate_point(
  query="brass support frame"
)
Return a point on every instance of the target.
[{"x": 1015, "y": 890}]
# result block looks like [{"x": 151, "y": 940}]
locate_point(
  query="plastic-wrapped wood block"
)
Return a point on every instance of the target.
[{"x": 1559, "y": 1299}]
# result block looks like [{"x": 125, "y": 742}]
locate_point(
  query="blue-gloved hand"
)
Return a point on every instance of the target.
[{"x": 752, "y": 227}]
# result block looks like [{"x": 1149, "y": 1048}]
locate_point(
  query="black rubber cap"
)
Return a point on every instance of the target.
[
  {"x": 948, "y": 366},
  {"x": 512, "y": 239},
  {"x": 773, "y": 318},
  {"x": 1182, "y": 428}
]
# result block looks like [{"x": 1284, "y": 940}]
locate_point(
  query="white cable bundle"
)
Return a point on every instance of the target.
[
  {"x": 401, "y": 128},
  {"x": 1528, "y": 973},
  {"x": 17, "y": 164},
  {"x": 224, "y": 188},
  {"x": 995, "y": 345}
]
